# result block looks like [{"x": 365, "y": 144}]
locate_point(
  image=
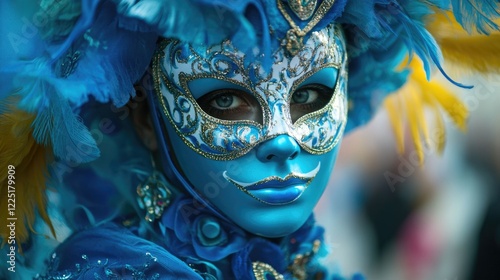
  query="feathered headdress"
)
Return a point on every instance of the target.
[{"x": 59, "y": 55}]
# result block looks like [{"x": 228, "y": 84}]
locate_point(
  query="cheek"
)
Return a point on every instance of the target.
[
  {"x": 329, "y": 160},
  {"x": 204, "y": 174}
]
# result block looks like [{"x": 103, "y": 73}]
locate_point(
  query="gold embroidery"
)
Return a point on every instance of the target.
[
  {"x": 262, "y": 270},
  {"x": 298, "y": 267}
]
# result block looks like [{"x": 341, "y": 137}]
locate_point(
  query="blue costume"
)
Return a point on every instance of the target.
[{"x": 192, "y": 139}]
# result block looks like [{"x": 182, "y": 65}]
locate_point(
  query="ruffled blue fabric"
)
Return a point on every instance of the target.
[
  {"x": 113, "y": 252},
  {"x": 262, "y": 250},
  {"x": 91, "y": 203},
  {"x": 180, "y": 226},
  {"x": 302, "y": 241}
]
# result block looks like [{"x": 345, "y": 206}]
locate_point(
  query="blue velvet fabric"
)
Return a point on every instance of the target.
[{"x": 114, "y": 252}]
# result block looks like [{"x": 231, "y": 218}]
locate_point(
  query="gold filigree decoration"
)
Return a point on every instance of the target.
[
  {"x": 298, "y": 267},
  {"x": 272, "y": 90},
  {"x": 303, "y": 9},
  {"x": 294, "y": 40},
  {"x": 261, "y": 271}
]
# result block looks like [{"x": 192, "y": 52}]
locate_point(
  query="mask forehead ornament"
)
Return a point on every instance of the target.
[
  {"x": 304, "y": 10},
  {"x": 177, "y": 64}
]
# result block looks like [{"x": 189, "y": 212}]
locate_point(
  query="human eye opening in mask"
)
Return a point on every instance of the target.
[
  {"x": 315, "y": 93},
  {"x": 231, "y": 104},
  {"x": 225, "y": 100}
]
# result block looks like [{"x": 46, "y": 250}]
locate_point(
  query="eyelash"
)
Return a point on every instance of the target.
[
  {"x": 247, "y": 107},
  {"x": 222, "y": 112},
  {"x": 210, "y": 97},
  {"x": 324, "y": 94}
]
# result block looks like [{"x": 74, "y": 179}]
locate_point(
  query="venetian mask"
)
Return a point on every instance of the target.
[{"x": 258, "y": 142}]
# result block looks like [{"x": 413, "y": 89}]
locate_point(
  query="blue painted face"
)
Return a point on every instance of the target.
[{"x": 260, "y": 146}]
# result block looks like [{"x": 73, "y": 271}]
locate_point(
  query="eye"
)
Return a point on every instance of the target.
[
  {"x": 231, "y": 104},
  {"x": 226, "y": 101},
  {"x": 303, "y": 96},
  {"x": 308, "y": 99}
]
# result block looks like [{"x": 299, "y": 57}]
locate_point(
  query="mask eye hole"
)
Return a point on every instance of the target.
[
  {"x": 231, "y": 104},
  {"x": 308, "y": 99}
]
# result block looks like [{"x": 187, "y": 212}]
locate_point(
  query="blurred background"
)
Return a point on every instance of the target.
[{"x": 388, "y": 217}]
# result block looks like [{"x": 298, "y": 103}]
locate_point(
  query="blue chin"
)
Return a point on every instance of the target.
[{"x": 270, "y": 191}]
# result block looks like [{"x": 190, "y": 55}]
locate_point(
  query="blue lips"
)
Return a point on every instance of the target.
[
  {"x": 279, "y": 196},
  {"x": 275, "y": 190},
  {"x": 276, "y": 183}
]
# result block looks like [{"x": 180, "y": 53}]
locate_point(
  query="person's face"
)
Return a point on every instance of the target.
[{"x": 258, "y": 145}]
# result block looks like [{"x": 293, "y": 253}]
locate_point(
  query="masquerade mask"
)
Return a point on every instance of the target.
[{"x": 258, "y": 104}]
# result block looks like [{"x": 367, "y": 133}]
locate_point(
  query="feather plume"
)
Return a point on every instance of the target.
[
  {"x": 477, "y": 13},
  {"x": 60, "y": 127},
  {"x": 470, "y": 52},
  {"x": 413, "y": 98},
  {"x": 55, "y": 124},
  {"x": 418, "y": 39},
  {"x": 19, "y": 149},
  {"x": 393, "y": 108},
  {"x": 60, "y": 15}
]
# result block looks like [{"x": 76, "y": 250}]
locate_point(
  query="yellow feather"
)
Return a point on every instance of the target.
[
  {"x": 414, "y": 115},
  {"x": 418, "y": 98},
  {"x": 391, "y": 103},
  {"x": 448, "y": 101},
  {"x": 479, "y": 54},
  {"x": 439, "y": 135},
  {"x": 416, "y": 95},
  {"x": 470, "y": 52},
  {"x": 18, "y": 148}
]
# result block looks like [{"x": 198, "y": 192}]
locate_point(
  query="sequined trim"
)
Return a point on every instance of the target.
[
  {"x": 81, "y": 269},
  {"x": 262, "y": 271}
]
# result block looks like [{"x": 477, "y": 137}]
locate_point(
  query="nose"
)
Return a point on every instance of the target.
[{"x": 278, "y": 149}]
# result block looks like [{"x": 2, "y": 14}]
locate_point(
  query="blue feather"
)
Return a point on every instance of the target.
[
  {"x": 378, "y": 32},
  {"x": 197, "y": 22},
  {"x": 84, "y": 22},
  {"x": 104, "y": 62},
  {"x": 477, "y": 13},
  {"x": 418, "y": 39},
  {"x": 56, "y": 124},
  {"x": 60, "y": 127}
]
